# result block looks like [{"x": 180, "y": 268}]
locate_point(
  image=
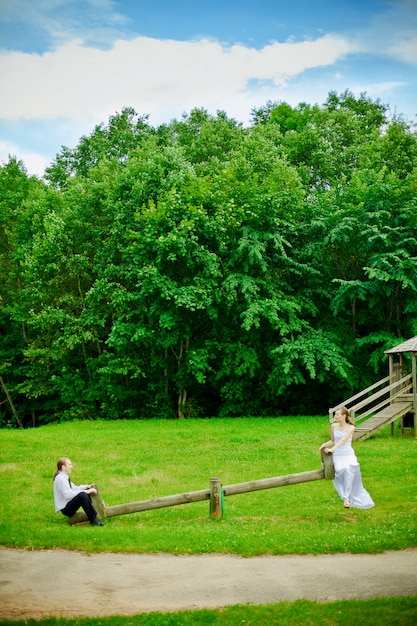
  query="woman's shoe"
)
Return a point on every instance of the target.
[{"x": 346, "y": 503}]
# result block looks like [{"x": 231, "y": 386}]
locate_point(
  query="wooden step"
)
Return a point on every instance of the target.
[{"x": 381, "y": 419}]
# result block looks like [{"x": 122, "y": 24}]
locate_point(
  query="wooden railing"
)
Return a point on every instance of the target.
[{"x": 386, "y": 394}]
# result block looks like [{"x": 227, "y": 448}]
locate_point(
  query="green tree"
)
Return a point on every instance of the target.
[
  {"x": 203, "y": 268},
  {"x": 17, "y": 191},
  {"x": 124, "y": 132},
  {"x": 363, "y": 238}
]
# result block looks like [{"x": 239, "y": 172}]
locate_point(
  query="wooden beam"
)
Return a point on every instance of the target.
[
  {"x": 157, "y": 503},
  {"x": 326, "y": 472},
  {"x": 269, "y": 483}
]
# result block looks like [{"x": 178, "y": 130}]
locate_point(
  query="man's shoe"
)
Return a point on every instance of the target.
[{"x": 96, "y": 522}]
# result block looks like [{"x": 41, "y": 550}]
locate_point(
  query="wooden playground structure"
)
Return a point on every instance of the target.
[{"x": 389, "y": 399}]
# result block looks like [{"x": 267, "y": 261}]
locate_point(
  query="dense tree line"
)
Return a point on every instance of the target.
[{"x": 201, "y": 268}]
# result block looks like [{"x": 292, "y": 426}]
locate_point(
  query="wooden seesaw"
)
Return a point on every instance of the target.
[{"x": 215, "y": 493}]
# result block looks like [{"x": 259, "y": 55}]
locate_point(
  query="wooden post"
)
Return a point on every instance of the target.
[
  {"x": 414, "y": 379},
  {"x": 215, "y": 498},
  {"x": 391, "y": 368},
  {"x": 394, "y": 376},
  {"x": 98, "y": 504},
  {"x": 328, "y": 467}
]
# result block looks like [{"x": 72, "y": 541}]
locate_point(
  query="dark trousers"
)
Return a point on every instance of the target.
[{"x": 83, "y": 500}]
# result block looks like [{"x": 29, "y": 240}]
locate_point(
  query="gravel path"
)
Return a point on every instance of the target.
[{"x": 35, "y": 584}]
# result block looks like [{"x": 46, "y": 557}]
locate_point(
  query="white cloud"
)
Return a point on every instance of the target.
[
  {"x": 61, "y": 21},
  {"x": 378, "y": 90},
  {"x": 393, "y": 32},
  {"x": 405, "y": 50},
  {"x": 150, "y": 74},
  {"x": 94, "y": 67},
  {"x": 35, "y": 163}
]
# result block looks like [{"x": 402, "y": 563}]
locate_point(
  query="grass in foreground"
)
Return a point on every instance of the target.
[
  {"x": 136, "y": 460},
  {"x": 375, "y": 612}
]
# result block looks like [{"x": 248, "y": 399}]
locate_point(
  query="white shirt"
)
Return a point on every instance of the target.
[{"x": 64, "y": 492}]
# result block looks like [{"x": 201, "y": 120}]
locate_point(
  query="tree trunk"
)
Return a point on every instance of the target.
[
  {"x": 182, "y": 398},
  {"x": 6, "y": 391}
]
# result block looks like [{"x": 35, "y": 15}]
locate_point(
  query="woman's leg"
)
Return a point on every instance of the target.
[{"x": 343, "y": 482}]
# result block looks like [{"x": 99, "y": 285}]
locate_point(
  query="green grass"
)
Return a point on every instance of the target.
[
  {"x": 401, "y": 611},
  {"x": 136, "y": 460}
]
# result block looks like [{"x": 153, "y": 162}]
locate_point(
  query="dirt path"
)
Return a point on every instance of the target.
[{"x": 37, "y": 584}]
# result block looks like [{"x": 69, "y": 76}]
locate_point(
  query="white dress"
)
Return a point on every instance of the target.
[{"x": 348, "y": 478}]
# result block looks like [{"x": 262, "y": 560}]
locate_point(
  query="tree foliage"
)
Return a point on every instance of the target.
[{"x": 202, "y": 268}]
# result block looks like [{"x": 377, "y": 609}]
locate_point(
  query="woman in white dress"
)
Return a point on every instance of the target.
[{"x": 348, "y": 478}]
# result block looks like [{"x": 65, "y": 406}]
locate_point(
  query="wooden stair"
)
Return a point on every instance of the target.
[{"x": 381, "y": 419}]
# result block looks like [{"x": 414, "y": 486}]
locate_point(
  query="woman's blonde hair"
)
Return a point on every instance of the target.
[{"x": 344, "y": 411}]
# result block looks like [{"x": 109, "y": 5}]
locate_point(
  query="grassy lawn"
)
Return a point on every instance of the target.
[{"x": 136, "y": 460}]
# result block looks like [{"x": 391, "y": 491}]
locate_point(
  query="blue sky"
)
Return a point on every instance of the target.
[{"x": 67, "y": 65}]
